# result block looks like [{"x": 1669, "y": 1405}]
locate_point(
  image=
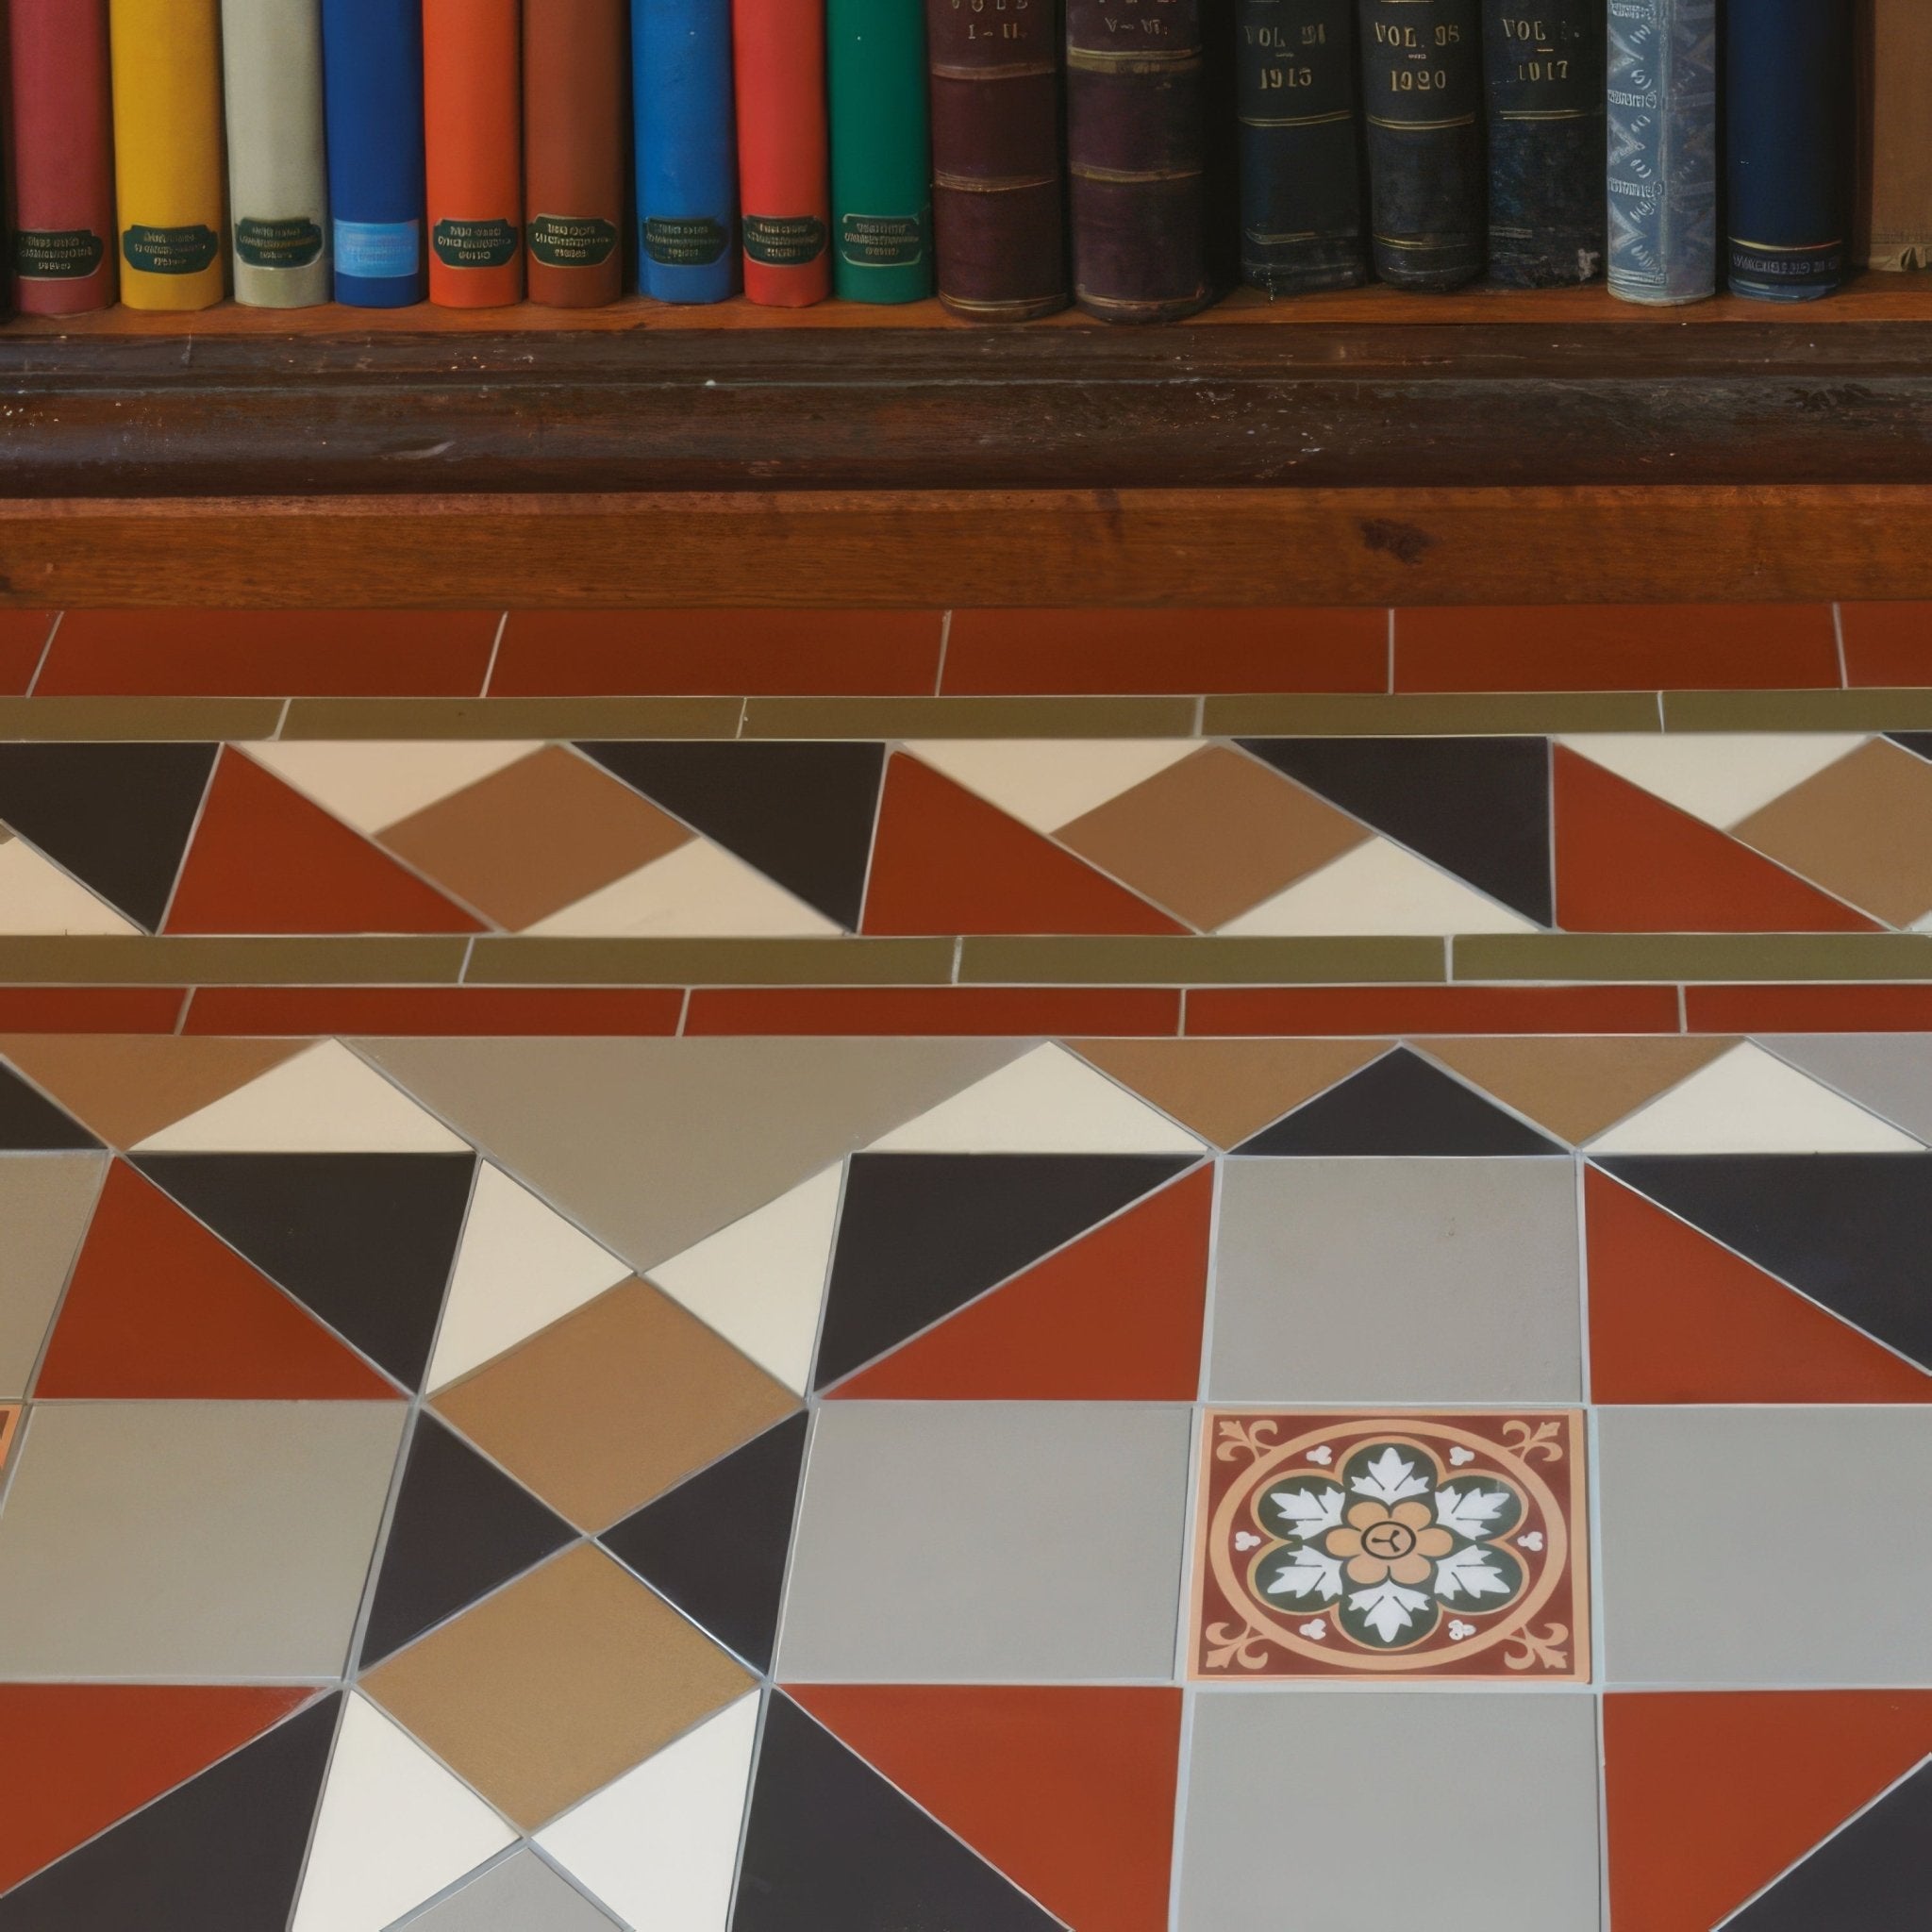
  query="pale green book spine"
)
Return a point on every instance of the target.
[{"x": 881, "y": 150}]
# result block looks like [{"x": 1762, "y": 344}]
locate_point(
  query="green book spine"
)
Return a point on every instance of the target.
[{"x": 881, "y": 151}]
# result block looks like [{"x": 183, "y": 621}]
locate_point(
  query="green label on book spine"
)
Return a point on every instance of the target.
[
  {"x": 882, "y": 240},
  {"x": 784, "y": 240},
  {"x": 678, "y": 241},
  {"x": 58, "y": 255},
  {"x": 184, "y": 251},
  {"x": 293, "y": 243},
  {"x": 572, "y": 241},
  {"x": 475, "y": 244}
]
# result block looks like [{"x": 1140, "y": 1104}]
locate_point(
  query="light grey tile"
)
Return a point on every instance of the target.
[
  {"x": 987, "y": 1542},
  {"x": 1361, "y": 1810},
  {"x": 45, "y": 1200},
  {"x": 1396, "y": 1280},
  {"x": 201, "y": 1540},
  {"x": 1890, "y": 1072},
  {"x": 1766, "y": 1546},
  {"x": 522, "y": 1895}
]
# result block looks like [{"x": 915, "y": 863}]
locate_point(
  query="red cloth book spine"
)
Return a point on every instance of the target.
[
  {"x": 61, "y": 182},
  {"x": 577, "y": 71},
  {"x": 783, "y": 150},
  {"x": 473, "y": 110}
]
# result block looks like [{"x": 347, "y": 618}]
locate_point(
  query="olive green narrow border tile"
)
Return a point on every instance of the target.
[
  {"x": 1050, "y": 716},
  {"x": 1798, "y": 710},
  {"x": 114, "y": 960},
  {"x": 1185, "y": 961},
  {"x": 406, "y": 718},
  {"x": 517, "y": 961},
  {"x": 1718, "y": 957},
  {"x": 1425, "y": 714},
  {"x": 171, "y": 719}
]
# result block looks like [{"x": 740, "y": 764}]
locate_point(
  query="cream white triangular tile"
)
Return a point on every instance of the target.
[
  {"x": 1045, "y": 1102},
  {"x": 394, "y": 1829},
  {"x": 520, "y": 1266},
  {"x": 1719, "y": 776},
  {"x": 660, "y": 1847},
  {"x": 373, "y": 785},
  {"x": 1748, "y": 1102},
  {"x": 35, "y": 896},
  {"x": 324, "y": 1101},
  {"x": 759, "y": 1282},
  {"x": 698, "y": 891},
  {"x": 1377, "y": 888},
  {"x": 1047, "y": 783}
]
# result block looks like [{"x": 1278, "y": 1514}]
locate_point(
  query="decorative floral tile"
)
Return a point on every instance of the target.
[{"x": 1362, "y": 1544}]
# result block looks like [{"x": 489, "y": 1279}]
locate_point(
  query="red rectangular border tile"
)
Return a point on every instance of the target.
[
  {"x": 718, "y": 653},
  {"x": 888, "y": 1010},
  {"x": 23, "y": 639},
  {"x": 1887, "y": 645},
  {"x": 1394, "y": 1010},
  {"x": 1617, "y": 647},
  {"x": 1807, "y": 1008},
  {"x": 91, "y": 1008},
  {"x": 279, "y": 1010},
  {"x": 273, "y": 654},
  {"x": 1000, "y": 652}
]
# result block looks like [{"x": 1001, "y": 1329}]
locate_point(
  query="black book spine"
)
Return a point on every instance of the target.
[
  {"x": 1544, "y": 61},
  {"x": 1422, "y": 98}
]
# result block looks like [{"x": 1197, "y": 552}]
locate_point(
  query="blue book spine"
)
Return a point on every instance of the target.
[
  {"x": 1788, "y": 80},
  {"x": 1663, "y": 159},
  {"x": 372, "y": 69},
  {"x": 687, "y": 149}
]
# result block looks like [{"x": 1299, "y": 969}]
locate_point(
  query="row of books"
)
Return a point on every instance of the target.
[{"x": 1129, "y": 155}]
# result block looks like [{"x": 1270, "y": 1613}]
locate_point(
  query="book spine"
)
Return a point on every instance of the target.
[
  {"x": 1422, "y": 99},
  {"x": 1663, "y": 164},
  {"x": 576, "y": 67},
  {"x": 687, "y": 149},
  {"x": 1300, "y": 156},
  {"x": 472, "y": 151},
  {"x": 372, "y": 69},
  {"x": 779, "y": 53},
  {"x": 1544, "y": 61},
  {"x": 1136, "y": 159},
  {"x": 167, "y": 64},
  {"x": 1894, "y": 208},
  {"x": 278, "y": 152},
  {"x": 62, "y": 185},
  {"x": 1788, "y": 78},
  {"x": 998, "y": 185},
  {"x": 881, "y": 150}
]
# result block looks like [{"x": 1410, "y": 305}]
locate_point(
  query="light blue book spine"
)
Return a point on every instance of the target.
[
  {"x": 1663, "y": 151},
  {"x": 687, "y": 149}
]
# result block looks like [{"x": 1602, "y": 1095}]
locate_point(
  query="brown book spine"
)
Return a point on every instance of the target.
[
  {"x": 576, "y": 65},
  {"x": 1136, "y": 90},
  {"x": 998, "y": 186},
  {"x": 1894, "y": 212}
]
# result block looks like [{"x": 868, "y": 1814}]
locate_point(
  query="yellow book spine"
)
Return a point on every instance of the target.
[{"x": 167, "y": 56}]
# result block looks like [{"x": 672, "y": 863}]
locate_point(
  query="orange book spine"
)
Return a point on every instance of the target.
[
  {"x": 576, "y": 68},
  {"x": 473, "y": 137}
]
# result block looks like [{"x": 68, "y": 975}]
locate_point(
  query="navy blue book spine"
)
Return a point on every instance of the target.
[
  {"x": 687, "y": 149},
  {"x": 1300, "y": 159},
  {"x": 373, "y": 71},
  {"x": 1787, "y": 75}
]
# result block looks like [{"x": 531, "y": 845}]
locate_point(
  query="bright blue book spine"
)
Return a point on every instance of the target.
[
  {"x": 687, "y": 149},
  {"x": 372, "y": 68}
]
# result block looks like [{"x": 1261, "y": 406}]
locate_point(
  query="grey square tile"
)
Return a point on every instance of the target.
[
  {"x": 45, "y": 1202},
  {"x": 987, "y": 1542},
  {"x": 1766, "y": 1547},
  {"x": 1360, "y": 1810},
  {"x": 200, "y": 1540},
  {"x": 1397, "y": 1281}
]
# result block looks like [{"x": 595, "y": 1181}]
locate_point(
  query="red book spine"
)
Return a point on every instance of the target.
[
  {"x": 61, "y": 181},
  {"x": 472, "y": 112},
  {"x": 783, "y": 150}
]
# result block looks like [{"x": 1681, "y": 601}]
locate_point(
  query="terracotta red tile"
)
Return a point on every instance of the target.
[
  {"x": 886, "y": 1010},
  {"x": 378, "y": 1011},
  {"x": 718, "y": 653},
  {"x": 22, "y": 639},
  {"x": 91, "y": 1008},
  {"x": 1345, "y": 1011},
  {"x": 1807, "y": 1008},
  {"x": 1889, "y": 645},
  {"x": 270, "y": 654},
  {"x": 1618, "y": 648},
  {"x": 989, "y": 653}
]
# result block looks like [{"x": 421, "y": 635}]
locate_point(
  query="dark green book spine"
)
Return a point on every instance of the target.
[{"x": 881, "y": 150}]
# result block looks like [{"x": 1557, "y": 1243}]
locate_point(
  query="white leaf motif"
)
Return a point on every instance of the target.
[
  {"x": 1390, "y": 1478},
  {"x": 1470, "y": 1513},
  {"x": 1470, "y": 1569},
  {"x": 1321, "y": 1453},
  {"x": 1309, "y": 1573},
  {"x": 1388, "y": 1610},
  {"x": 1458, "y": 1456},
  {"x": 1245, "y": 1539},
  {"x": 1314, "y": 1630},
  {"x": 1531, "y": 1539},
  {"x": 1459, "y": 1629},
  {"x": 1310, "y": 1511}
]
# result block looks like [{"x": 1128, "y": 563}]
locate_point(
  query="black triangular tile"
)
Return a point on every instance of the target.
[
  {"x": 222, "y": 1853},
  {"x": 716, "y": 1545},
  {"x": 117, "y": 816},
  {"x": 802, "y": 813},
  {"x": 1400, "y": 1104},
  {"x": 921, "y": 1234},
  {"x": 364, "y": 1240},
  {"x": 460, "y": 1528},
  {"x": 1853, "y": 1231},
  {"x": 1918, "y": 743},
  {"x": 830, "y": 1842},
  {"x": 1479, "y": 807},
  {"x": 31, "y": 1123},
  {"x": 1876, "y": 1876}
]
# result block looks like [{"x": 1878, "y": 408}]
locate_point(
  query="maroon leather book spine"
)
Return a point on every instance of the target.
[
  {"x": 998, "y": 186},
  {"x": 1135, "y": 156}
]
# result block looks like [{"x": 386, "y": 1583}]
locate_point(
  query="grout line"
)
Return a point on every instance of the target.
[
  {"x": 1683, "y": 1007},
  {"x": 495, "y": 647},
  {"x": 939, "y": 677},
  {"x": 1200, "y": 715},
  {"x": 46, "y": 652},
  {"x": 1838, "y": 631},
  {"x": 682, "y": 1013},
  {"x": 469, "y": 954},
  {"x": 958, "y": 954},
  {"x": 1390, "y": 687},
  {"x": 1662, "y": 724},
  {"x": 1603, "y": 1809},
  {"x": 282, "y": 719},
  {"x": 187, "y": 995},
  {"x": 743, "y": 718}
]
